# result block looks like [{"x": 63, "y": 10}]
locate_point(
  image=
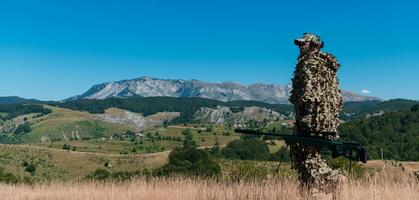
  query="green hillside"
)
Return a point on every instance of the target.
[
  {"x": 357, "y": 110},
  {"x": 53, "y": 164},
  {"x": 81, "y": 131},
  {"x": 48, "y": 123},
  {"x": 64, "y": 124},
  {"x": 63, "y": 144},
  {"x": 17, "y": 100},
  {"x": 58, "y": 126},
  {"x": 397, "y": 133},
  {"x": 188, "y": 106},
  {"x": 151, "y": 105}
]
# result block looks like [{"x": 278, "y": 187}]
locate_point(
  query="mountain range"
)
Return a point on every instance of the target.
[{"x": 225, "y": 91}]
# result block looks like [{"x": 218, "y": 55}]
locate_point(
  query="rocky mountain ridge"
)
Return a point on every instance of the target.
[{"x": 225, "y": 91}]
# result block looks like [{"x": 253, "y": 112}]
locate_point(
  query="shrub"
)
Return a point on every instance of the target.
[
  {"x": 31, "y": 169},
  {"x": 22, "y": 129},
  {"x": 66, "y": 146},
  {"x": 251, "y": 149},
  {"x": 188, "y": 141},
  {"x": 25, "y": 163},
  {"x": 189, "y": 160},
  {"x": 215, "y": 151},
  {"x": 100, "y": 174},
  {"x": 415, "y": 108}
]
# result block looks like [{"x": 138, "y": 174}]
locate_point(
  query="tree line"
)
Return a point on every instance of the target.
[
  {"x": 151, "y": 105},
  {"x": 11, "y": 111}
]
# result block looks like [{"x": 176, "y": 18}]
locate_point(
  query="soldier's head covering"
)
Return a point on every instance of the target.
[{"x": 309, "y": 38}]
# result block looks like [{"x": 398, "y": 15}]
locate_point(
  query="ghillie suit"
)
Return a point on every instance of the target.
[
  {"x": 317, "y": 101},
  {"x": 416, "y": 174}
]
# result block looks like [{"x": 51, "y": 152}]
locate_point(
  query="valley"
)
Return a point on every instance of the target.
[{"x": 123, "y": 139}]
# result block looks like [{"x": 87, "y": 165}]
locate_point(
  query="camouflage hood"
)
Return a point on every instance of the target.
[{"x": 309, "y": 38}]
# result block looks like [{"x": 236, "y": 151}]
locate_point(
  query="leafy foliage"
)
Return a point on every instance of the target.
[
  {"x": 30, "y": 169},
  {"x": 8, "y": 139},
  {"x": 250, "y": 149},
  {"x": 415, "y": 108},
  {"x": 397, "y": 133},
  {"x": 357, "y": 110},
  {"x": 22, "y": 129},
  {"x": 215, "y": 151},
  {"x": 191, "y": 161},
  {"x": 188, "y": 138},
  {"x": 66, "y": 146}
]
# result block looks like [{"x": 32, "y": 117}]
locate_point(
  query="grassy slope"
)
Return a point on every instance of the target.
[
  {"x": 64, "y": 121},
  {"x": 203, "y": 138},
  {"x": 117, "y": 146},
  {"x": 51, "y": 159},
  {"x": 58, "y": 164},
  {"x": 63, "y": 164}
]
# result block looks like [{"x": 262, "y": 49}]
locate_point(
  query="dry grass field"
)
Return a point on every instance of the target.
[
  {"x": 388, "y": 180},
  {"x": 382, "y": 186},
  {"x": 61, "y": 164}
]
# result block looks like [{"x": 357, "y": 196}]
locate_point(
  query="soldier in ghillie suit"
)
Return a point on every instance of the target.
[{"x": 317, "y": 101}]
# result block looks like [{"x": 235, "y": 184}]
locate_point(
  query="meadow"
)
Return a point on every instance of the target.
[
  {"x": 382, "y": 186},
  {"x": 239, "y": 179},
  {"x": 69, "y": 154}
]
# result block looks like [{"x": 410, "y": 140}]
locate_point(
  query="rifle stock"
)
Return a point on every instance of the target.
[{"x": 350, "y": 150}]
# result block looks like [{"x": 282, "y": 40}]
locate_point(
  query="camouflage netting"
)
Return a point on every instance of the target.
[
  {"x": 317, "y": 101},
  {"x": 314, "y": 174},
  {"x": 417, "y": 175}
]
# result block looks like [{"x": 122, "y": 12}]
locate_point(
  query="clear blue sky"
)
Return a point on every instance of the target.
[{"x": 52, "y": 50}]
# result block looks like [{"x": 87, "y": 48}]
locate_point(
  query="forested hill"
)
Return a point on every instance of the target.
[
  {"x": 189, "y": 105},
  {"x": 395, "y": 130},
  {"x": 10, "y": 111},
  {"x": 151, "y": 105},
  {"x": 16, "y": 100},
  {"x": 356, "y": 110},
  {"x": 397, "y": 133}
]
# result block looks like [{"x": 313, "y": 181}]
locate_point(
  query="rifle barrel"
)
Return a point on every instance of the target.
[{"x": 338, "y": 147}]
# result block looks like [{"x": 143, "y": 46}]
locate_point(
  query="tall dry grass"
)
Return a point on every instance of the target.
[{"x": 381, "y": 186}]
